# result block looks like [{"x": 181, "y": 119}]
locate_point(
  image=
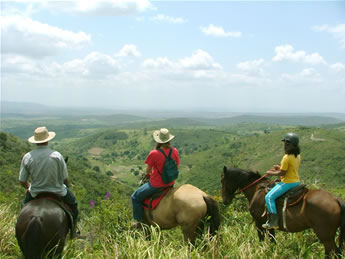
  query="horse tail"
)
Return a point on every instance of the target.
[
  {"x": 32, "y": 247},
  {"x": 342, "y": 226},
  {"x": 213, "y": 212}
]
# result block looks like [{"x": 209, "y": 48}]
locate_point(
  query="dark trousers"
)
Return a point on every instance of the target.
[{"x": 69, "y": 199}]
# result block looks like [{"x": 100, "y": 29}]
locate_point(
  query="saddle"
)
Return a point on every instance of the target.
[
  {"x": 58, "y": 200},
  {"x": 291, "y": 197},
  {"x": 288, "y": 199},
  {"x": 150, "y": 203}
]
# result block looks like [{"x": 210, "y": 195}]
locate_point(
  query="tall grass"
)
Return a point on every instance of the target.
[
  {"x": 237, "y": 238},
  {"x": 8, "y": 243}
]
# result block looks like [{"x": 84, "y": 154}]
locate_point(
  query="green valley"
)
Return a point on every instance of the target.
[{"x": 107, "y": 153}]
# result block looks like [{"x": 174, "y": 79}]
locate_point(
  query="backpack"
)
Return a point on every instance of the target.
[{"x": 170, "y": 170}]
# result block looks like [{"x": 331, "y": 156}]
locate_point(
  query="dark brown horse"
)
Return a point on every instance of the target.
[
  {"x": 41, "y": 229},
  {"x": 319, "y": 209}
]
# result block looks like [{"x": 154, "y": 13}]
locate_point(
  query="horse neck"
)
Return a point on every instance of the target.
[{"x": 250, "y": 192}]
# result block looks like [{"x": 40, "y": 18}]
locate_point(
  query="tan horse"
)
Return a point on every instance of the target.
[
  {"x": 185, "y": 206},
  {"x": 319, "y": 209}
]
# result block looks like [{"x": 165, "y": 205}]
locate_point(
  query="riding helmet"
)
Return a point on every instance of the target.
[{"x": 292, "y": 138}]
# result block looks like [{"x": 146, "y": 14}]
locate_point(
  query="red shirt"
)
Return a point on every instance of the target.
[{"x": 156, "y": 160}]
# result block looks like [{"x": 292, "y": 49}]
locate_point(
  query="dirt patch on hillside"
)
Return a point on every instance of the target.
[{"x": 96, "y": 151}]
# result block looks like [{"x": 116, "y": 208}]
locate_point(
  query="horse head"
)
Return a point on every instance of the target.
[{"x": 232, "y": 179}]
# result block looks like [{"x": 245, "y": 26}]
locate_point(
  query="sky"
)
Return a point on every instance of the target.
[{"x": 249, "y": 56}]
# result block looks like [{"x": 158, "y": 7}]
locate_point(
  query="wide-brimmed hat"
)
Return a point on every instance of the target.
[
  {"x": 41, "y": 135},
  {"x": 162, "y": 136}
]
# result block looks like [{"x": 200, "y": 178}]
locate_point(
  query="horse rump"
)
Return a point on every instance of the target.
[
  {"x": 30, "y": 241},
  {"x": 213, "y": 214}
]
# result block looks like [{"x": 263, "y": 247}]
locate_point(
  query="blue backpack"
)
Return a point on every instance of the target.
[{"x": 170, "y": 170}]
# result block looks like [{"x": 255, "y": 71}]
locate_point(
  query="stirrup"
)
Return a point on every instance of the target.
[{"x": 267, "y": 226}]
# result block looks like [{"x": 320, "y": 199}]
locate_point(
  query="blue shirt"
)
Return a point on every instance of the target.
[{"x": 47, "y": 170}]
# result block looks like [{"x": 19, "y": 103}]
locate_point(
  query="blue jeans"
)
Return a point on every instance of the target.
[
  {"x": 138, "y": 197},
  {"x": 276, "y": 192},
  {"x": 69, "y": 199}
]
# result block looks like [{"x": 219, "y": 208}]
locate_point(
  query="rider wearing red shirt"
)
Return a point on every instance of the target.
[{"x": 155, "y": 163}]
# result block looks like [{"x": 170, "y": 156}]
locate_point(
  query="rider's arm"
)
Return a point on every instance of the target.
[
  {"x": 26, "y": 185},
  {"x": 276, "y": 173},
  {"x": 148, "y": 170}
]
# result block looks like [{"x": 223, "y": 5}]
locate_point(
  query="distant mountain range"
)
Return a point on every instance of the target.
[{"x": 192, "y": 118}]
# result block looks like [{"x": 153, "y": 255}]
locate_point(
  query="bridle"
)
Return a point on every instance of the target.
[{"x": 251, "y": 184}]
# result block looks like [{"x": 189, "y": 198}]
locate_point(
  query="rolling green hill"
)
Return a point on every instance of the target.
[
  {"x": 110, "y": 160},
  {"x": 322, "y": 158},
  {"x": 87, "y": 184},
  {"x": 204, "y": 152}
]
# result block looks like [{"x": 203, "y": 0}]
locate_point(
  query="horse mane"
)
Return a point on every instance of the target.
[
  {"x": 243, "y": 177},
  {"x": 253, "y": 175}
]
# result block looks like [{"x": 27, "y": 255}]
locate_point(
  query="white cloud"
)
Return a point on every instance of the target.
[
  {"x": 200, "y": 60},
  {"x": 111, "y": 7},
  {"x": 218, "y": 31},
  {"x": 169, "y": 19},
  {"x": 26, "y": 37},
  {"x": 337, "y": 31},
  {"x": 287, "y": 52},
  {"x": 199, "y": 65},
  {"x": 129, "y": 50},
  {"x": 306, "y": 75},
  {"x": 338, "y": 67},
  {"x": 94, "y": 7},
  {"x": 18, "y": 64},
  {"x": 250, "y": 65},
  {"x": 95, "y": 65},
  {"x": 159, "y": 63}
]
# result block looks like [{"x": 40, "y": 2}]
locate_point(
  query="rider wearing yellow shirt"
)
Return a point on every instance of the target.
[{"x": 288, "y": 172}]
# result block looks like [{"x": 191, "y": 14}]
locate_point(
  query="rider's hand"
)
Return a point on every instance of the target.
[
  {"x": 276, "y": 167},
  {"x": 270, "y": 172}
]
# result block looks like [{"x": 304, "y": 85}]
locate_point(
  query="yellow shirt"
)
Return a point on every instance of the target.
[{"x": 291, "y": 164}]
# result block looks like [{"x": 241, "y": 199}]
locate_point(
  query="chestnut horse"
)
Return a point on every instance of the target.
[
  {"x": 319, "y": 209},
  {"x": 185, "y": 206},
  {"x": 41, "y": 229}
]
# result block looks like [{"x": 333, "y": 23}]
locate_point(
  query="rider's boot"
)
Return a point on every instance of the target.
[{"x": 272, "y": 222}]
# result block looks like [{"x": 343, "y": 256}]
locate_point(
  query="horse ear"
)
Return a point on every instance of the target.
[{"x": 225, "y": 169}]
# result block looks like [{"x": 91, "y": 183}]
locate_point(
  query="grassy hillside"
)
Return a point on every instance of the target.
[
  {"x": 110, "y": 160},
  {"x": 322, "y": 160},
  {"x": 107, "y": 233},
  {"x": 87, "y": 184}
]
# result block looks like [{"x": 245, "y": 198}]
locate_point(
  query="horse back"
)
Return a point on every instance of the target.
[
  {"x": 180, "y": 204},
  {"x": 323, "y": 201}
]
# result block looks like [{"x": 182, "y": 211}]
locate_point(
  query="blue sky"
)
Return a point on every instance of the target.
[{"x": 271, "y": 56}]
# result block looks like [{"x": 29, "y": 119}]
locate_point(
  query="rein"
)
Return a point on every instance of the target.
[{"x": 251, "y": 184}]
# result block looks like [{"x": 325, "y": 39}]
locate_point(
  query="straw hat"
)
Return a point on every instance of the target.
[
  {"x": 162, "y": 136},
  {"x": 41, "y": 135}
]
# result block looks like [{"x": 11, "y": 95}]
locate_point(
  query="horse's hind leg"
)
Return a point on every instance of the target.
[
  {"x": 189, "y": 232},
  {"x": 326, "y": 237}
]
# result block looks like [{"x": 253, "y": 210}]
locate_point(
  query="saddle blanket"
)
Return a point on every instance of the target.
[{"x": 152, "y": 202}]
